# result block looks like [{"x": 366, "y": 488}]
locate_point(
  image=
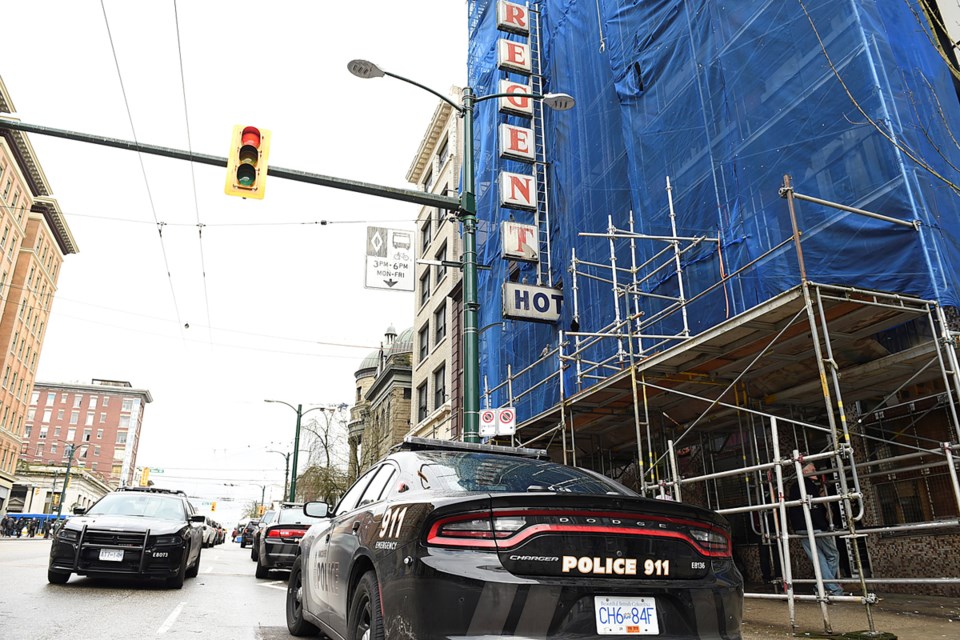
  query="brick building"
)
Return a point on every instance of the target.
[
  {"x": 34, "y": 239},
  {"x": 105, "y": 415}
]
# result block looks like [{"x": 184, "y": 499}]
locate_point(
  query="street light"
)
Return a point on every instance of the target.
[
  {"x": 468, "y": 218},
  {"x": 286, "y": 471},
  {"x": 66, "y": 479},
  {"x": 296, "y": 441}
]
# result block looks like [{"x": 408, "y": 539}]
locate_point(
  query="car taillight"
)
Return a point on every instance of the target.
[
  {"x": 285, "y": 534},
  {"x": 473, "y": 530},
  {"x": 507, "y": 528}
]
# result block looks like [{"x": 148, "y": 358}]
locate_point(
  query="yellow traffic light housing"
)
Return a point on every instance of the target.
[
  {"x": 247, "y": 162},
  {"x": 213, "y": 506}
]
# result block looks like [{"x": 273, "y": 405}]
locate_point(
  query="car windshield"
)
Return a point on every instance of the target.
[
  {"x": 295, "y": 516},
  {"x": 455, "y": 471},
  {"x": 145, "y": 505}
]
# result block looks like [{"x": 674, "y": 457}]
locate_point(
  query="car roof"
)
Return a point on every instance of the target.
[
  {"x": 177, "y": 492},
  {"x": 411, "y": 443}
]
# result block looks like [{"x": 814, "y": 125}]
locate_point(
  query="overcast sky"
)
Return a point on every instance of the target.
[{"x": 267, "y": 293}]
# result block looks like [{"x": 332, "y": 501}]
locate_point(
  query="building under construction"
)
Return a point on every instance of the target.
[{"x": 752, "y": 217}]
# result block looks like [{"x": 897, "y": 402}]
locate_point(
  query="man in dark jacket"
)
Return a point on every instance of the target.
[{"x": 827, "y": 554}]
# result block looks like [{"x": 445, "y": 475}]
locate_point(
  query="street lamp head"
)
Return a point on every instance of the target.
[
  {"x": 365, "y": 69},
  {"x": 559, "y": 101}
]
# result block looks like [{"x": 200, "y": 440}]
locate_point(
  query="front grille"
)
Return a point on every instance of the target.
[{"x": 113, "y": 539}]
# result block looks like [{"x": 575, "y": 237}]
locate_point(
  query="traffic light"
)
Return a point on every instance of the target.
[
  {"x": 213, "y": 506},
  {"x": 145, "y": 477},
  {"x": 247, "y": 162}
]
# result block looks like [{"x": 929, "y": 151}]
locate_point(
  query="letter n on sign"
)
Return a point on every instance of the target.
[{"x": 518, "y": 191}]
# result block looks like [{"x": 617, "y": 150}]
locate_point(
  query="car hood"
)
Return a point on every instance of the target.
[{"x": 126, "y": 523}]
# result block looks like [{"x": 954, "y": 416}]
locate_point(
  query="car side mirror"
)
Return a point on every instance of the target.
[
  {"x": 198, "y": 518},
  {"x": 79, "y": 511},
  {"x": 316, "y": 509}
]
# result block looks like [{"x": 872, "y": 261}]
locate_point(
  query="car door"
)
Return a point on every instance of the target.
[{"x": 331, "y": 556}]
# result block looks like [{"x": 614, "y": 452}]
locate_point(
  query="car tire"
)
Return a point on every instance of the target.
[
  {"x": 262, "y": 571},
  {"x": 57, "y": 577},
  {"x": 176, "y": 582},
  {"x": 296, "y": 625},
  {"x": 243, "y": 545},
  {"x": 366, "y": 621},
  {"x": 254, "y": 555},
  {"x": 195, "y": 569}
]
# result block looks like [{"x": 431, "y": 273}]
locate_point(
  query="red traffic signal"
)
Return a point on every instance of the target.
[{"x": 247, "y": 162}]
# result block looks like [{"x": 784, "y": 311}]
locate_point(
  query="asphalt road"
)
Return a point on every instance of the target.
[
  {"x": 224, "y": 601},
  {"x": 227, "y": 601}
]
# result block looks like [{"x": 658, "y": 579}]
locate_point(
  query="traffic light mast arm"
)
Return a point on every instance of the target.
[{"x": 404, "y": 195}]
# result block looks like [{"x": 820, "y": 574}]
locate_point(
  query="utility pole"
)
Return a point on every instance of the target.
[{"x": 72, "y": 449}]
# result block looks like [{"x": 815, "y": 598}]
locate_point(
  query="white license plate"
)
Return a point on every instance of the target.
[
  {"x": 111, "y": 555},
  {"x": 626, "y": 616}
]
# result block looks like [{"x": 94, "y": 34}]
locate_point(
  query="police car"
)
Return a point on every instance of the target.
[{"x": 445, "y": 540}]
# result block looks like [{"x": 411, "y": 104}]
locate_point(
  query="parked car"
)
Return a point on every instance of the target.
[
  {"x": 209, "y": 532},
  {"x": 445, "y": 539},
  {"x": 255, "y": 544},
  {"x": 279, "y": 540},
  {"x": 246, "y": 535},
  {"x": 132, "y": 532}
]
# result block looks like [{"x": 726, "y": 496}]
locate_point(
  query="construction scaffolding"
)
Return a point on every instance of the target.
[{"x": 865, "y": 381}]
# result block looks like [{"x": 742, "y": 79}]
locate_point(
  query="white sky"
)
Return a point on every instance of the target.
[{"x": 273, "y": 291}]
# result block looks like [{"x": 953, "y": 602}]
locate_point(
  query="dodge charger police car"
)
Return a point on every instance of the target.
[{"x": 444, "y": 540}]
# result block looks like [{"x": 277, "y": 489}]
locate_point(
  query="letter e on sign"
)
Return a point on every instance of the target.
[
  {"x": 516, "y": 143},
  {"x": 513, "y": 18},
  {"x": 513, "y": 56}
]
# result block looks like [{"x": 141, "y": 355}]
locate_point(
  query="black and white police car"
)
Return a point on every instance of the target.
[
  {"x": 132, "y": 532},
  {"x": 444, "y": 540}
]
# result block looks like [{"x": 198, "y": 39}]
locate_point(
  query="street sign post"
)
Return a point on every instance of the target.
[
  {"x": 498, "y": 422},
  {"x": 390, "y": 258}
]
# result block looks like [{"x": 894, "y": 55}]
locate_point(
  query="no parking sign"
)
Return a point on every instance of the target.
[{"x": 498, "y": 422}]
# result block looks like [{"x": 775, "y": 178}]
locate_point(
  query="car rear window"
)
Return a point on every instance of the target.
[
  {"x": 484, "y": 472},
  {"x": 295, "y": 516}
]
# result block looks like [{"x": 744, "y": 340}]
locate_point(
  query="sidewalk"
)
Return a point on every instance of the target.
[{"x": 908, "y": 617}]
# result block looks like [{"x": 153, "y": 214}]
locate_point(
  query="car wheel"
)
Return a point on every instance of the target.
[
  {"x": 176, "y": 582},
  {"x": 243, "y": 545},
  {"x": 262, "y": 571},
  {"x": 366, "y": 621},
  {"x": 253, "y": 554},
  {"x": 195, "y": 569},
  {"x": 296, "y": 625},
  {"x": 57, "y": 577}
]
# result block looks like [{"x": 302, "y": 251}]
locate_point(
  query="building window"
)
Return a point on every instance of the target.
[
  {"x": 31, "y": 412},
  {"x": 428, "y": 179},
  {"x": 89, "y": 420},
  {"x": 96, "y": 452},
  {"x": 39, "y": 450},
  {"x": 36, "y": 394},
  {"x": 106, "y": 401},
  {"x": 43, "y": 433},
  {"x": 425, "y": 287},
  {"x": 426, "y": 234},
  {"x": 27, "y": 431},
  {"x": 422, "y": 402},
  {"x": 74, "y": 417},
  {"x": 440, "y": 323},
  {"x": 103, "y": 418},
  {"x": 121, "y": 437},
  {"x": 127, "y": 405},
  {"x": 46, "y": 415},
  {"x": 51, "y": 398},
  {"x": 441, "y": 268},
  {"x": 53, "y": 449},
  {"x": 59, "y": 414},
  {"x": 71, "y": 434},
  {"x": 423, "y": 342},
  {"x": 99, "y": 434},
  {"x": 440, "y": 386},
  {"x": 63, "y": 397},
  {"x": 56, "y": 431},
  {"x": 93, "y": 402},
  {"x": 442, "y": 151},
  {"x": 86, "y": 435},
  {"x": 76, "y": 402}
]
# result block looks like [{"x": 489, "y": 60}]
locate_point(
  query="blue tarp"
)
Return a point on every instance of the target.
[{"x": 849, "y": 97}]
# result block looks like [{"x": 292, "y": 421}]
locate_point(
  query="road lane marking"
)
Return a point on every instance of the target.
[
  {"x": 275, "y": 584},
  {"x": 170, "y": 619}
]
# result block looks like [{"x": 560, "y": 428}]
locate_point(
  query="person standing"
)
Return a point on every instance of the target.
[{"x": 829, "y": 557}]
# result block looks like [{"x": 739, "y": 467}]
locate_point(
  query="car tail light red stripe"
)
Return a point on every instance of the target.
[
  {"x": 486, "y": 531},
  {"x": 285, "y": 534}
]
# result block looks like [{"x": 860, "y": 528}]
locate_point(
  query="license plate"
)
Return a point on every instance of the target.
[
  {"x": 626, "y": 616},
  {"x": 111, "y": 555}
]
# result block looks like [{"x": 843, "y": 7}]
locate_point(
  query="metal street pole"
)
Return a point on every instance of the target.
[
  {"x": 467, "y": 212},
  {"x": 286, "y": 468},
  {"x": 66, "y": 478},
  {"x": 296, "y": 452}
]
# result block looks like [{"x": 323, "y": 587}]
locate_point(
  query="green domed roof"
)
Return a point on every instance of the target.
[{"x": 402, "y": 343}]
